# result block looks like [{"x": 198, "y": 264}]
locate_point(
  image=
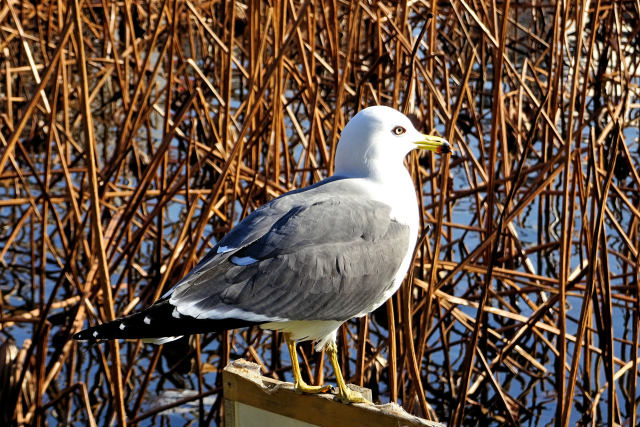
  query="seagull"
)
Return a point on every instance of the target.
[{"x": 309, "y": 260}]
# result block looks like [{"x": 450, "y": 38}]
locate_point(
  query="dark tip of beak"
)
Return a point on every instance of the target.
[{"x": 444, "y": 148}]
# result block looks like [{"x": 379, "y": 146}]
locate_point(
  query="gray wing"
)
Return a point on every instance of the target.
[{"x": 325, "y": 253}]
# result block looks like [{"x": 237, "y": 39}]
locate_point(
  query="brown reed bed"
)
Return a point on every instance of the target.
[{"x": 135, "y": 134}]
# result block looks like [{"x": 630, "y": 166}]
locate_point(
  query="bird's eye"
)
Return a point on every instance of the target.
[{"x": 398, "y": 130}]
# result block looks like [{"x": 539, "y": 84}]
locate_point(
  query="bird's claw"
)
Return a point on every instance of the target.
[
  {"x": 348, "y": 396},
  {"x": 302, "y": 387}
]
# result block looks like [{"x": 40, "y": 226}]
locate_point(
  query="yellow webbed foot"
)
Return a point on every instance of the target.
[
  {"x": 345, "y": 394},
  {"x": 351, "y": 396},
  {"x": 299, "y": 384},
  {"x": 303, "y": 387}
]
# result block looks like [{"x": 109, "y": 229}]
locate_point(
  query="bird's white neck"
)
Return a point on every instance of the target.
[
  {"x": 391, "y": 185},
  {"x": 371, "y": 159}
]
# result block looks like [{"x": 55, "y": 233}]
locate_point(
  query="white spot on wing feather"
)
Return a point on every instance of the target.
[
  {"x": 147, "y": 320},
  {"x": 121, "y": 326}
]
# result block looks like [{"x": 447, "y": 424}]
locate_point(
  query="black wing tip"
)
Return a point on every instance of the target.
[
  {"x": 95, "y": 334},
  {"x": 81, "y": 336},
  {"x": 156, "y": 322},
  {"x": 85, "y": 335}
]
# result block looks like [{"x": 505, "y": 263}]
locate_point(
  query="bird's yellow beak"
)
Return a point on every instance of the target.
[{"x": 434, "y": 143}]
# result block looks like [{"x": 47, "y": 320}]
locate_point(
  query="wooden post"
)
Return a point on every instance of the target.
[{"x": 253, "y": 400}]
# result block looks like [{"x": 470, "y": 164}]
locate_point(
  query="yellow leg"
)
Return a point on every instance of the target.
[
  {"x": 299, "y": 384},
  {"x": 346, "y": 395}
]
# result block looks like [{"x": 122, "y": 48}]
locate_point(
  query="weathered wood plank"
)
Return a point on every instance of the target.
[{"x": 243, "y": 385}]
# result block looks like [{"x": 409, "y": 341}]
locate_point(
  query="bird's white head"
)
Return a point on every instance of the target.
[{"x": 376, "y": 140}]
